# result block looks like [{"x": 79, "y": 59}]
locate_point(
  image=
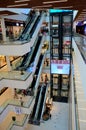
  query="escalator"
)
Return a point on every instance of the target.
[
  {"x": 34, "y": 26},
  {"x": 27, "y": 63},
  {"x": 30, "y": 32},
  {"x": 39, "y": 64},
  {"x": 30, "y": 20},
  {"x": 25, "y": 57},
  {"x": 35, "y": 116},
  {"x": 35, "y": 50},
  {"x": 36, "y": 73},
  {"x": 29, "y": 58},
  {"x": 35, "y": 105},
  {"x": 41, "y": 103}
]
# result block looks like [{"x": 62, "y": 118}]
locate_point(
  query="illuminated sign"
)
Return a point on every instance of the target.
[
  {"x": 60, "y": 66},
  {"x": 59, "y": 11}
]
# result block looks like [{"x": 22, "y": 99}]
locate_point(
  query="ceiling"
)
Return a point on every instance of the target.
[
  {"x": 6, "y": 12},
  {"x": 45, "y": 4}
]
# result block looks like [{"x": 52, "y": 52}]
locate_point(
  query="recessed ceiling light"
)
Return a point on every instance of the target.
[
  {"x": 64, "y": 7},
  {"x": 83, "y": 13},
  {"x": 42, "y": 6},
  {"x": 59, "y": 1},
  {"x": 17, "y": 1},
  {"x": 17, "y": 5}
]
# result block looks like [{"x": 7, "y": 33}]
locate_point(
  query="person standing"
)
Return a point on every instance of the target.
[
  {"x": 15, "y": 93},
  {"x": 46, "y": 79},
  {"x": 21, "y": 101},
  {"x": 50, "y": 116}
]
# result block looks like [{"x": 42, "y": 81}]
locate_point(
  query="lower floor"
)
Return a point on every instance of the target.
[{"x": 58, "y": 120}]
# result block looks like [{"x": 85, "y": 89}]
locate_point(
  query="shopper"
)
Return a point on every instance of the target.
[
  {"x": 50, "y": 116},
  {"x": 21, "y": 101},
  {"x": 15, "y": 93},
  {"x": 46, "y": 79}
]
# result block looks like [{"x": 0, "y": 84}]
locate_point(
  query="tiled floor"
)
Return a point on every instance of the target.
[
  {"x": 9, "y": 94},
  {"x": 8, "y": 120},
  {"x": 58, "y": 121}
]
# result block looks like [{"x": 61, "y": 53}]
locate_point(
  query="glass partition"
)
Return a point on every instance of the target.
[
  {"x": 73, "y": 110},
  {"x": 81, "y": 43},
  {"x": 14, "y": 75}
]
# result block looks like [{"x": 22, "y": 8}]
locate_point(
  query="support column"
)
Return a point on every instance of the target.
[
  {"x": 8, "y": 63},
  {"x": 3, "y": 29}
]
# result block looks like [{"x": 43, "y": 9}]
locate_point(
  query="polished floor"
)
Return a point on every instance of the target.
[
  {"x": 58, "y": 121},
  {"x": 59, "y": 112}
]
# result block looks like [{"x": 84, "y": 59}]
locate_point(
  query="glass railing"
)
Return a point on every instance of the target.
[
  {"x": 76, "y": 108},
  {"x": 80, "y": 40},
  {"x": 16, "y": 102},
  {"x": 13, "y": 42},
  {"x": 14, "y": 75},
  {"x": 15, "y": 62},
  {"x": 73, "y": 111}
]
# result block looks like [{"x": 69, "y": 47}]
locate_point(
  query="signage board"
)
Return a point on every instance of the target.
[{"x": 60, "y": 66}]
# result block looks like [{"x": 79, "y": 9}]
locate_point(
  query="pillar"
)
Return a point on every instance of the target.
[
  {"x": 9, "y": 67},
  {"x": 3, "y": 29}
]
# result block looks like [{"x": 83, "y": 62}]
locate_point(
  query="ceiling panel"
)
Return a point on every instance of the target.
[{"x": 63, "y": 4}]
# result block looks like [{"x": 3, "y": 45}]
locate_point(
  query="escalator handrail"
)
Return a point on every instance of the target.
[
  {"x": 34, "y": 26},
  {"x": 30, "y": 21},
  {"x": 36, "y": 101},
  {"x": 31, "y": 25},
  {"x": 42, "y": 103},
  {"x": 38, "y": 104},
  {"x": 27, "y": 64}
]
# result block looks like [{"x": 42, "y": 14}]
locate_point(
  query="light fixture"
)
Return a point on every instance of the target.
[
  {"x": 83, "y": 13},
  {"x": 42, "y": 6},
  {"x": 59, "y": 1},
  {"x": 17, "y": 5},
  {"x": 84, "y": 22},
  {"x": 84, "y": 9},
  {"x": 17, "y": 1},
  {"x": 21, "y": 24},
  {"x": 64, "y": 7},
  {"x": 17, "y": 24}
]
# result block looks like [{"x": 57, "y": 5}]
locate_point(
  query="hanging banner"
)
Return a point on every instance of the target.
[{"x": 60, "y": 66}]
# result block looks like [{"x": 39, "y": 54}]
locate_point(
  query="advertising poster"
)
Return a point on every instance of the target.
[{"x": 60, "y": 66}]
